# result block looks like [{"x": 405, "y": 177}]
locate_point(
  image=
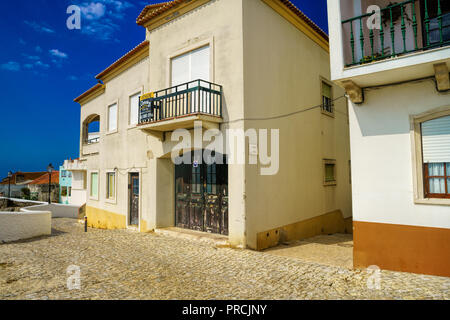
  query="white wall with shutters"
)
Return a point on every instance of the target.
[
  {"x": 436, "y": 140},
  {"x": 191, "y": 66}
]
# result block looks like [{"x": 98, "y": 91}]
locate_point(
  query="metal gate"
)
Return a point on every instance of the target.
[{"x": 202, "y": 197}]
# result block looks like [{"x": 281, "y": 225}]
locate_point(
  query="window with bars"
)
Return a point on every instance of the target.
[
  {"x": 327, "y": 98},
  {"x": 329, "y": 172}
]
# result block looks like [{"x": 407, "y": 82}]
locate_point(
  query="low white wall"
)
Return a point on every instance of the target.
[
  {"x": 22, "y": 225},
  {"x": 57, "y": 210}
]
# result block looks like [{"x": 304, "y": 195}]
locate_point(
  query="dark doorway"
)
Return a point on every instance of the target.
[
  {"x": 202, "y": 196},
  {"x": 134, "y": 199}
]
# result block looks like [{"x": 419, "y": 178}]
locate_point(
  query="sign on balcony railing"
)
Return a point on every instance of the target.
[
  {"x": 195, "y": 97},
  {"x": 397, "y": 29}
]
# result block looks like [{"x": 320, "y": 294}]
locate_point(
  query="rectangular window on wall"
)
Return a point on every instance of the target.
[
  {"x": 94, "y": 185},
  {"x": 327, "y": 97},
  {"x": 111, "y": 185},
  {"x": 134, "y": 109},
  {"x": 436, "y": 157},
  {"x": 329, "y": 172},
  {"x": 112, "y": 117},
  {"x": 191, "y": 66}
]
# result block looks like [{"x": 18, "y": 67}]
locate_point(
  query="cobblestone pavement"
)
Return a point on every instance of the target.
[{"x": 127, "y": 265}]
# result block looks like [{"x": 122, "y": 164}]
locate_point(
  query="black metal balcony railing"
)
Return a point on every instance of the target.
[
  {"x": 405, "y": 27},
  {"x": 195, "y": 97}
]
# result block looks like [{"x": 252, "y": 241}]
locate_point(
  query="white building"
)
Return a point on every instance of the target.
[
  {"x": 78, "y": 192},
  {"x": 394, "y": 64}
]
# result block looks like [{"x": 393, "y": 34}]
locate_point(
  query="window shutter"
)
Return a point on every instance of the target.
[
  {"x": 191, "y": 66},
  {"x": 326, "y": 90},
  {"x": 94, "y": 184},
  {"x": 180, "y": 70},
  {"x": 436, "y": 140},
  {"x": 200, "y": 64},
  {"x": 134, "y": 109},
  {"x": 112, "y": 117}
]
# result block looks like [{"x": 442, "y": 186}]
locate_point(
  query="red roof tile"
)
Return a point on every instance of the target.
[
  {"x": 44, "y": 179},
  {"x": 144, "y": 44}
]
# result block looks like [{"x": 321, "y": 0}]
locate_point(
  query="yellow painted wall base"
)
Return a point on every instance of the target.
[
  {"x": 102, "y": 219},
  {"x": 143, "y": 227},
  {"x": 329, "y": 223}
]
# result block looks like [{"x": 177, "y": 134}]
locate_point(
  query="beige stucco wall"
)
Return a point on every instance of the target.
[
  {"x": 267, "y": 67},
  {"x": 219, "y": 23},
  {"x": 122, "y": 150},
  {"x": 283, "y": 69}
]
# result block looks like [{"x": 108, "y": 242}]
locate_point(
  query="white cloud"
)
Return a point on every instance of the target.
[
  {"x": 58, "y": 54},
  {"x": 30, "y": 57},
  {"x": 101, "y": 17},
  {"x": 93, "y": 10},
  {"x": 11, "y": 66},
  {"x": 72, "y": 78},
  {"x": 42, "y": 65},
  {"x": 38, "y": 27}
]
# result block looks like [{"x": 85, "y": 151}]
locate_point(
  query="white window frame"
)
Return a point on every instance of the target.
[
  {"x": 192, "y": 47},
  {"x": 108, "y": 131},
  {"x": 417, "y": 154},
  {"x": 90, "y": 185},
  {"x": 139, "y": 92},
  {"x": 111, "y": 200}
]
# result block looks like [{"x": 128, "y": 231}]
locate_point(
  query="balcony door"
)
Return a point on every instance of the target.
[
  {"x": 432, "y": 10},
  {"x": 191, "y": 66}
]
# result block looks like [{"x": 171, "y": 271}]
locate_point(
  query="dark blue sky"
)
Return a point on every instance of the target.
[{"x": 44, "y": 66}]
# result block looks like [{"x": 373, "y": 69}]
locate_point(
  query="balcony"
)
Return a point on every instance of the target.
[
  {"x": 180, "y": 106},
  {"x": 404, "y": 28},
  {"x": 400, "y": 42}
]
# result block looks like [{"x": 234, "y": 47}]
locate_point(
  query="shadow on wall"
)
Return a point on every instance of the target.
[{"x": 386, "y": 110}]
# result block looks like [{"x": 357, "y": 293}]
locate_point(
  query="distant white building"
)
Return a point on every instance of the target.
[
  {"x": 78, "y": 182},
  {"x": 394, "y": 64}
]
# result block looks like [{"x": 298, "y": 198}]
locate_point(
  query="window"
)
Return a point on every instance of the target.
[
  {"x": 63, "y": 191},
  {"x": 111, "y": 185},
  {"x": 94, "y": 185},
  {"x": 436, "y": 157},
  {"x": 112, "y": 118},
  {"x": 134, "y": 109},
  {"x": 327, "y": 98},
  {"x": 70, "y": 191},
  {"x": 329, "y": 172},
  {"x": 191, "y": 66}
]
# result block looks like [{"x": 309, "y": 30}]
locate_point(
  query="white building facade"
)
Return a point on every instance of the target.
[{"x": 393, "y": 61}]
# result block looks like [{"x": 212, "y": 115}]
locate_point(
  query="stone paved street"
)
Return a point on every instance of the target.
[{"x": 129, "y": 265}]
